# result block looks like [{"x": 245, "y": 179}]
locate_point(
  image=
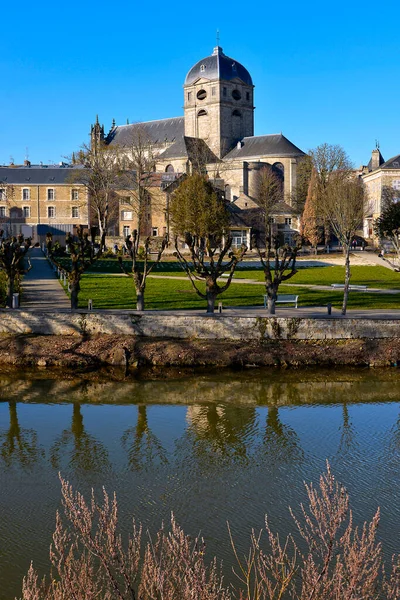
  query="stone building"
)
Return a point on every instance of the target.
[
  {"x": 381, "y": 179},
  {"x": 35, "y": 199},
  {"x": 217, "y": 129}
]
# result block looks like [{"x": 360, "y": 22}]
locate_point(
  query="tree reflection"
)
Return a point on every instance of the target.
[
  {"x": 347, "y": 442},
  {"x": 280, "y": 441},
  {"x": 85, "y": 453},
  {"x": 18, "y": 443},
  {"x": 142, "y": 446},
  {"x": 221, "y": 432}
]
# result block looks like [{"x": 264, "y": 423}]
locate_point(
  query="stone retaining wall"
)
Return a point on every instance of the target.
[{"x": 222, "y": 327}]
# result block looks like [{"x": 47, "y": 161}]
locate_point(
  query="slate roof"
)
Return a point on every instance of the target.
[
  {"x": 159, "y": 132},
  {"x": 381, "y": 161},
  {"x": 218, "y": 66},
  {"x": 264, "y": 145},
  {"x": 392, "y": 163},
  {"x": 190, "y": 147},
  {"x": 38, "y": 175}
]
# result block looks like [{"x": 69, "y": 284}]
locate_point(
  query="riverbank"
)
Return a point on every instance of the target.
[{"x": 129, "y": 353}]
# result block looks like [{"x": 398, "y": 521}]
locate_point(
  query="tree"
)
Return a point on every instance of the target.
[
  {"x": 309, "y": 228},
  {"x": 343, "y": 206},
  {"x": 82, "y": 254},
  {"x": 200, "y": 216},
  {"x": 388, "y": 224},
  {"x": 101, "y": 176},
  {"x": 137, "y": 180},
  {"x": 278, "y": 259},
  {"x": 12, "y": 254}
]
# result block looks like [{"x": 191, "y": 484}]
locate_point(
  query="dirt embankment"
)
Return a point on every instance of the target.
[{"x": 97, "y": 351}]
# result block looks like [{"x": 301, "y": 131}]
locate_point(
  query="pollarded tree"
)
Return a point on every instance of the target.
[
  {"x": 388, "y": 224},
  {"x": 200, "y": 216},
  {"x": 12, "y": 262},
  {"x": 278, "y": 259},
  {"x": 343, "y": 205},
  {"x": 82, "y": 254},
  {"x": 309, "y": 228}
]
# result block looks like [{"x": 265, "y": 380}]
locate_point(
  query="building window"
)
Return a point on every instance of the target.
[
  {"x": 202, "y": 113},
  {"x": 75, "y": 212},
  {"x": 169, "y": 169},
  {"x": 50, "y": 194},
  {"x": 248, "y": 96},
  {"x": 2, "y": 194},
  {"x": 51, "y": 212},
  {"x": 224, "y": 91},
  {"x": 126, "y": 231},
  {"x": 75, "y": 195},
  {"x": 236, "y": 95},
  {"x": 288, "y": 221},
  {"x": 2, "y": 211},
  {"x": 154, "y": 231},
  {"x": 26, "y": 194},
  {"x": 201, "y": 95},
  {"x": 213, "y": 91},
  {"x": 125, "y": 200},
  {"x": 127, "y": 215},
  {"x": 189, "y": 96},
  {"x": 26, "y": 211},
  {"x": 396, "y": 184}
]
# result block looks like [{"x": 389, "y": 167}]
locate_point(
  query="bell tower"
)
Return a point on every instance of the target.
[{"x": 218, "y": 102}]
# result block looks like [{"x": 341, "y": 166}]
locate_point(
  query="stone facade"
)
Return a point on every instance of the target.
[{"x": 38, "y": 198}]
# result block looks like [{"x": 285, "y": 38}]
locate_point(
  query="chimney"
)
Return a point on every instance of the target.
[
  {"x": 27, "y": 163},
  {"x": 375, "y": 160}
]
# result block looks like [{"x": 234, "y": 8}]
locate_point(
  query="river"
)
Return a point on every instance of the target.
[{"x": 228, "y": 446}]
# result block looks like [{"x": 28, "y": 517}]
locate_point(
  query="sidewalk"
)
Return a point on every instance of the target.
[{"x": 41, "y": 289}]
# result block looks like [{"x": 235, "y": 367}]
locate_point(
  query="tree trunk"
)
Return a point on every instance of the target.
[
  {"x": 211, "y": 296},
  {"x": 139, "y": 299},
  {"x": 346, "y": 279},
  {"x": 271, "y": 305},
  {"x": 74, "y": 295},
  {"x": 10, "y": 291}
]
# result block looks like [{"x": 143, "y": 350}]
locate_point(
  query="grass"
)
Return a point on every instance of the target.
[{"x": 110, "y": 292}]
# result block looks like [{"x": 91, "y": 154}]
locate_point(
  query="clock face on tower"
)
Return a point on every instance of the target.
[{"x": 236, "y": 95}]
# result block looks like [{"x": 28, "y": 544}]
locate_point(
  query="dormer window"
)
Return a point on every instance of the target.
[{"x": 202, "y": 68}]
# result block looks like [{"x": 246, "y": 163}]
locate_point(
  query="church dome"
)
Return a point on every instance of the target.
[{"x": 218, "y": 66}]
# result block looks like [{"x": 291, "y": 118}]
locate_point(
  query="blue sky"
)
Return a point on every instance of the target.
[{"x": 323, "y": 72}]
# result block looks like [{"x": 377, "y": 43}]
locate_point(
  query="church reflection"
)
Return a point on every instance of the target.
[{"x": 81, "y": 450}]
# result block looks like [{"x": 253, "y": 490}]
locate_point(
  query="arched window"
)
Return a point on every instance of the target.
[
  {"x": 279, "y": 170},
  {"x": 169, "y": 169},
  {"x": 202, "y": 113},
  {"x": 236, "y": 113},
  {"x": 237, "y": 125}
]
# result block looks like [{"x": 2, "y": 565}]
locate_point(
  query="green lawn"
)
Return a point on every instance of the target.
[{"x": 111, "y": 292}]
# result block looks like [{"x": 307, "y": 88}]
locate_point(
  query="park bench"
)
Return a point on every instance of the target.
[
  {"x": 352, "y": 288},
  {"x": 283, "y": 299}
]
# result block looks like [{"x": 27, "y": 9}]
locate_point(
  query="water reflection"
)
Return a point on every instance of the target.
[
  {"x": 18, "y": 444},
  {"x": 281, "y": 443},
  {"x": 77, "y": 448},
  {"x": 142, "y": 446}
]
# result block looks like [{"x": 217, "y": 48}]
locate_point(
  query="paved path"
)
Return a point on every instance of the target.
[{"x": 41, "y": 289}]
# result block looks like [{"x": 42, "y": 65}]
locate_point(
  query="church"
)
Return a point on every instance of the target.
[{"x": 218, "y": 123}]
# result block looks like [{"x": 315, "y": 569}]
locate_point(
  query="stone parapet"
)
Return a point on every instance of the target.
[{"x": 194, "y": 326}]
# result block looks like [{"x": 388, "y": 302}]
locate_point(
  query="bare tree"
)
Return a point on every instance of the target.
[
  {"x": 303, "y": 176},
  {"x": 200, "y": 216},
  {"x": 309, "y": 224},
  {"x": 12, "y": 262},
  {"x": 278, "y": 259},
  {"x": 101, "y": 176},
  {"x": 343, "y": 206},
  {"x": 82, "y": 254}
]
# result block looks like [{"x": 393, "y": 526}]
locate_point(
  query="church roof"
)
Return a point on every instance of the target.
[
  {"x": 190, "y": 147},
  {"x": 264, "y": 145},
  {"x": 159, "y": 132},
  {"x": 392, "y": 163},
  {"x": 218, "y": 66},
  {"x": 37, "y": 175}
]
